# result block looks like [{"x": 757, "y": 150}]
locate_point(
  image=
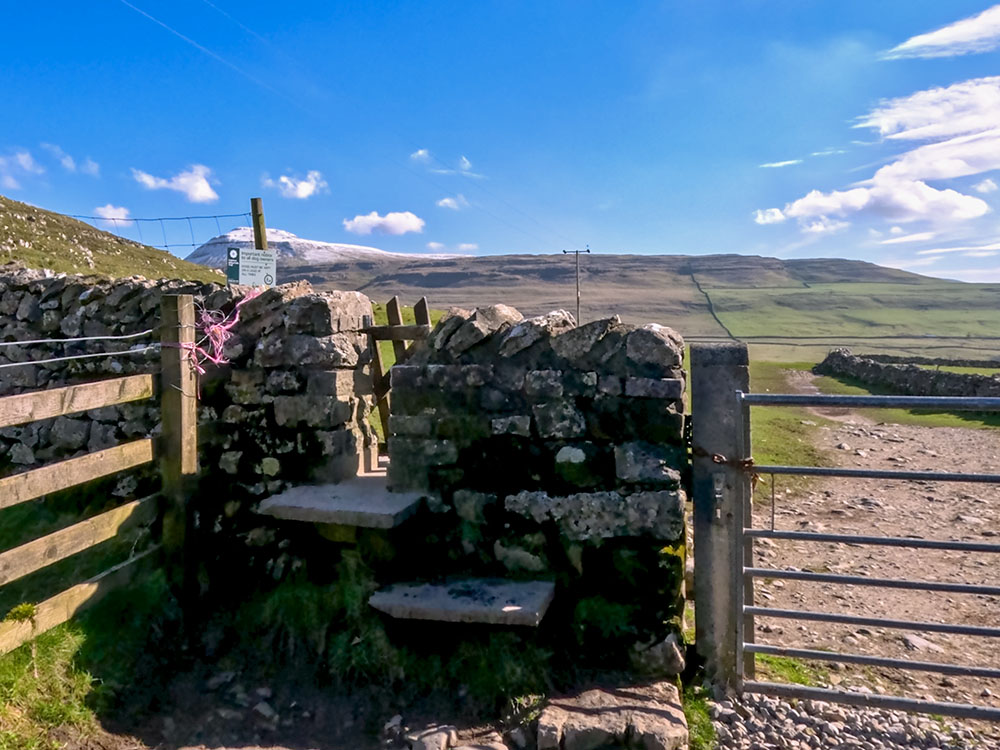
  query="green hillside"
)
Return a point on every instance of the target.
[{"x": 43, "y": 239}]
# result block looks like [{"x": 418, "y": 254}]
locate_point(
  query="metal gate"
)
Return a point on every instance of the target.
[{"x": 745, "y": 571}]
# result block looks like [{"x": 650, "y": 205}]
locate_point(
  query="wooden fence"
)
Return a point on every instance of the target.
[
  {"x": 399, "y": 334},
  {"x": 176, "y": 449}
]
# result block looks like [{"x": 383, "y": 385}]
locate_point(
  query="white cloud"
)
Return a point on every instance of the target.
[
  {"x": 421, "y": 155},
  {"x": 293, "y": 187},
  {"x": 455, "y": 204},
  {"x": 896, "y": 230},
  {"x": 768, "y": 216},
  {"x": 18, "y": 165},
  {"x": 112, "y": 213},
  {"x": 27, "y": 162},
  {"x": 974, "y": 34},
  {"x": 823, "y": 225},
  {"x": 68, "y": 162},
  {"x": 90, "y": 167},
  {"x": 959, "y": 109},
  {"x": 828, "y": 152},
  {"x": 776, "y": 164},
  {"x": 468, "y": 247},
  {"x": 395, "y": 222},
  {"x": 464, "y": 164},
  {"x": 915, "y": 237},
  {"x": 464, "y": 168},
  {"x": 981, "y": 254},
  {"x": 435, "y": 246},
  {"x": 195, "y": 183},
  {"x": 979, "y": 275},
  {"x": 960, "y": 125},
  {"x": 986, "y": 186},
  {"x": 959, "y": 249}
]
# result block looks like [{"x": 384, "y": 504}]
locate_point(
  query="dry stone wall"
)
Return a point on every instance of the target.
[
  {"x": 907, "y": 379},
  {"x": 558, "y": 452},
  {"x": 290, "y": 407}
]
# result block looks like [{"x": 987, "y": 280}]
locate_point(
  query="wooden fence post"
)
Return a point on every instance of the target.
[
  {"x": 179, "y": 442},
  {"x": 259, "y": 230}
]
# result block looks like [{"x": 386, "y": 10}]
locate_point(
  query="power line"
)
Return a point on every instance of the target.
[{"x": 158, "y": 218}]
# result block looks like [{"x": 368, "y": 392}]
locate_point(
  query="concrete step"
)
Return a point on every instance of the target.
[
  {"x": 361, "y": 501},
  {"x": 491, "y": 601}
]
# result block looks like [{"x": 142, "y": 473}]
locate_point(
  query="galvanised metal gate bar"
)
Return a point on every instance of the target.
[{"x": 747, "y": 572}]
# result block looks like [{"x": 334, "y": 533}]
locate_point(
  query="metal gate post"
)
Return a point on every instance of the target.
[{"x": 718, "y": 372}]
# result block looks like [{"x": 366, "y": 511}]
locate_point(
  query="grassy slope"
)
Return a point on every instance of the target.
[{"x": 43, "y": 239}]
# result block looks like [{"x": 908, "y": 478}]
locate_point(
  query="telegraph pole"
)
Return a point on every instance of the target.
[{"x": 577, "y": 254}]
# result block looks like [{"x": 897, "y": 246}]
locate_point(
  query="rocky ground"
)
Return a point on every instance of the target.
[{"x": 761, "y": 722}]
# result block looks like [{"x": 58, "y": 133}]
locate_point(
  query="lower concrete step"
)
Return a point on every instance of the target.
[
  {"x": 362, "y": 501},
  {"x": 491, "y": 601}
]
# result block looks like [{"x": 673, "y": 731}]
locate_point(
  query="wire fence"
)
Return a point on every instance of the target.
[{"x": 174, "y": 231}]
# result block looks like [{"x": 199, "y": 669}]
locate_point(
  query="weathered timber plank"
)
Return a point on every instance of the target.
[
  {"x": 31, "y": 407},
  {"x": 398, "y": 334},
  {"x": 394, "y": 312},
  {"x": 61, "y": 607},
  {"x": 422, "y": 312},
  {"x": 65, "y": 474},
  {"x": 20, "y": 561}
]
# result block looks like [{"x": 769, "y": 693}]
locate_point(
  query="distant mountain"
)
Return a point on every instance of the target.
[
  {"x": 699, "y": 295},
  {"x": 44, "y": 239},
  {"x": 292, "y": 250}
]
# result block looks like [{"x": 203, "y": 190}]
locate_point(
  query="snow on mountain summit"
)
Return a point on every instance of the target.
[{"x": 293, "y": 249}]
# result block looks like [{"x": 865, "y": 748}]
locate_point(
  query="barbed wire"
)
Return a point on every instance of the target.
[
  {"x": 150, "y": 348},
  {"x": 77, "y": 339}
]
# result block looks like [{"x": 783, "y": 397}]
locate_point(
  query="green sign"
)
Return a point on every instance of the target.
[{"x": 251, "y": 267}]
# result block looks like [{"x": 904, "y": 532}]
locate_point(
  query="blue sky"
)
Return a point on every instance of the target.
[{"x": 510, "y": 126}]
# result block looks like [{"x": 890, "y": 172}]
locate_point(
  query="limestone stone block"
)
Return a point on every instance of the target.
[
  {"x": 247, "y": 387},
  {"x": 646, "y": 463},
  {"x": 574, "y": 345},
  {"x": 483, "y": 322},
  {"x": 654, "y": 388},
  {"x": 543, "y": 384},
  {"x": 312, "y": 410},
  {"x": 654, "y": 348},
  {"x": 529, "y": 332},
  {"x": 342, "y": 383},
  {"x": 411, "y": 426},
  {"x": 559, "y": 419},
  {"x": 69, "y": 433},
  {"x": 515, "y": 425}
]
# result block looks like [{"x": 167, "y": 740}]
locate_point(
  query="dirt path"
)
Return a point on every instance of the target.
[{"x": 942, "y": 510}]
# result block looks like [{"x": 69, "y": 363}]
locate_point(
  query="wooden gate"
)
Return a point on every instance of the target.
[{"x": 176, "y": 449}]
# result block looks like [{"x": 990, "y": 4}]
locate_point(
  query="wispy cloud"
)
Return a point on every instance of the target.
[
  {"x": 777, "y": 164},
  {"x": 915, "y": 237},
  {"x": 295, "y": 187},
  {"x": 394, "y": 222},
  {"x": 979, "y": 33},
  {"x": 421, "y": 156},
  {"x": 468, "y": 247},
  {"x": 768, "y": 216},
  {"x": 112, "y": 215},
  {"x": 88, "y": 166},
  {"x": 960, "y": 249},
  {"x": 978, "y": 275},
  {"x": 195, "y": 183},
  {"x": 435, "y": 246},
  {"x": 828, "y": 152},
  {"x": 823, "y": 225},
  {"x": 455, "y": 204},
  {"x": 960, "y": 127},
  {"x": 16, "y": 166},
  {"x": 68, "y": 162},
  {"x": 986, "y": 186}
]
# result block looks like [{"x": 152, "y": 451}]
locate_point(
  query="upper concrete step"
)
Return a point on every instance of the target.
[
  {"x": 361, "y": 501},
  {"x": 492, "y": 601}
]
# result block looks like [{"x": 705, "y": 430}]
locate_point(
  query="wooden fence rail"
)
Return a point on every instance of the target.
[
  {"x": 399, "y": 334},
  {"x": 177, "y": 451}
]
